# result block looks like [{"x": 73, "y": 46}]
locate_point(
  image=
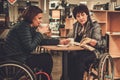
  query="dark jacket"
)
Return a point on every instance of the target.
[{"x": 22, "y": 40}]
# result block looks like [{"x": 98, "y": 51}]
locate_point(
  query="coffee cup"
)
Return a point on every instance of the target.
[{"x": 71, "y": 41}]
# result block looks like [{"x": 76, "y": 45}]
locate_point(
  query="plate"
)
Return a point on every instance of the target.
[
  {"x": 62, "y": 45},
  {"x": 76, "y": 43},
  {"x": 55, "y": 36}
]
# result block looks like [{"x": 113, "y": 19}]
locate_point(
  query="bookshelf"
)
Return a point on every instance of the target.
[{"x": 109, "y": 21}]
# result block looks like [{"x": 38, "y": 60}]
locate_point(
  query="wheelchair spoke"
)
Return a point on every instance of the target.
[
  {"x": 106, "y": 68},
  {"x": 15, "y": 71}
]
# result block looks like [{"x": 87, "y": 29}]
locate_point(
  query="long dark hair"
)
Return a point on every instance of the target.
[{"x": 29, "y": 13}]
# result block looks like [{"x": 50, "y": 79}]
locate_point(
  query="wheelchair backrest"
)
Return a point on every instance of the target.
[
  {"x": 1, "y": 47},
  {"x": 2, "y": 58},
  {"x": 105, "y": 44}
]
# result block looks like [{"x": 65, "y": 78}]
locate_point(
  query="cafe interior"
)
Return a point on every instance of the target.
[{"x": 58, "y": 14}]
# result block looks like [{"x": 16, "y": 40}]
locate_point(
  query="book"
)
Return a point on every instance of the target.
[{"x": 84, "y": 44}]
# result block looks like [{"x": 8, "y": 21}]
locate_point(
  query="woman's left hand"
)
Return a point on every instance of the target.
[{"x": 93, "y": 42}]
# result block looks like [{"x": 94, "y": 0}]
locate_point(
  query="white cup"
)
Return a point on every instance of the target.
[{"x": 71, "y": 41}]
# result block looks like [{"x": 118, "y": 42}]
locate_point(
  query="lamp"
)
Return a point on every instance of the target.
[{"x": 56, "y": 14}]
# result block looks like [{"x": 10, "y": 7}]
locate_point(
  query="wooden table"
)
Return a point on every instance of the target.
[{"x": 64, "y": 51}]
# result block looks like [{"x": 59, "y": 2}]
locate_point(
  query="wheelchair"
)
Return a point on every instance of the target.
[
  {"x": 14, "y": 70},
  {"x": 102, "y": 68}
]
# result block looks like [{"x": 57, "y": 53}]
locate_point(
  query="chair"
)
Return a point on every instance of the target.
[
  {"x": 14, "y": 70},
  {"x": 103, "y": 67}
]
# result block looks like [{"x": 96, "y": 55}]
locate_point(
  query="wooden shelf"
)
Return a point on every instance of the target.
[
  {"x": 114, "y": 46},
  {"x": 116, "y": 68},
  {"x": 102, "y": 22},
  {"x": 116, "y": 78},
  {"x": 101, "y": 17},
  {"x": 104, "y": 11},
  {"x": 113, "y": 20},
  {"x": 115, "y": 34},
  {"x": 114, "y": 56},
  {"x": 110, "y": 23},
  {"x": 98, "y": 10}
]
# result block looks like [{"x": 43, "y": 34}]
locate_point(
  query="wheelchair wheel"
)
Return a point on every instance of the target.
[
  {"x": 92, "y": 73},
  {"x": 106, "y": 68},
  {"x": 101, "y": 70},
  {"x": 12, "y": 70}
]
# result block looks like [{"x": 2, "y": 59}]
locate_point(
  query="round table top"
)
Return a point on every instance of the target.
[{"x": 62, "y": 47}]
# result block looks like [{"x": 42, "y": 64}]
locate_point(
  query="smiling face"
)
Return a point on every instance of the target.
[
  {"x": 82, "y": 18},
  {"x": 37, "y": 20}
]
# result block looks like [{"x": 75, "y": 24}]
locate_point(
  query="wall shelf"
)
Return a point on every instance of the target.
[{"x": 110, "y": 23}]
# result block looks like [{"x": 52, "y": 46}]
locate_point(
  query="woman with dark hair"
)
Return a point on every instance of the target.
[
  {"x": 23, "y": 38},
  {"x": 79, "y": 61}
]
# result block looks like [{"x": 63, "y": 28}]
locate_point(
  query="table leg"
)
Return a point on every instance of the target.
[{"x": 64, "y": 66}]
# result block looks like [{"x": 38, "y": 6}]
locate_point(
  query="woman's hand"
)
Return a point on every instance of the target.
[
  {"x": 93, "y": 42},
  {"x": 89, "y": 41},
  {"x": 64, "y": 41}
]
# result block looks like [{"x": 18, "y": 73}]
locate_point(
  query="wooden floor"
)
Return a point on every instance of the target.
[{"x": 57, "y": 66}]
